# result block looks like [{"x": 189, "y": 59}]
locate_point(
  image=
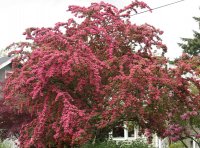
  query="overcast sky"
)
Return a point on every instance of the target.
[{"x": 175, "y": 20}]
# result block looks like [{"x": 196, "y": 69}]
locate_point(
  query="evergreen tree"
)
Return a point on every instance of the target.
[{"x": 192, "y": 45}]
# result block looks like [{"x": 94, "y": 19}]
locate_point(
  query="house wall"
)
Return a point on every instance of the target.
[
  {"x": 156, "y": 141},
  {"x": 2, "y": 76},
  {"x": 3, "y": 70}
]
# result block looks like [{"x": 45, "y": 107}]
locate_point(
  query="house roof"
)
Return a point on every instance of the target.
[{"x": 4, "y": 61}]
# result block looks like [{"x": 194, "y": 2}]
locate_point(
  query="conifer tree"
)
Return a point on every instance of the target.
[{"x": 192, "y": 45}]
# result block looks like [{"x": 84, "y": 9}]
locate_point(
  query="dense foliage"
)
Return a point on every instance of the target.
[
  {"x": 139, "y": 143},
  {"x": 191, "y": 55},
  {"x": 176, "y": 145},
  {"x": 82, "y": 79},
  {"x": 11, "y": 120}
]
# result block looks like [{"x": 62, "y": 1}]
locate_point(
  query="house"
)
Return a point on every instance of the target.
[
  {"x": 127, "y": 132},
  {"x": 5, "y": 67}
]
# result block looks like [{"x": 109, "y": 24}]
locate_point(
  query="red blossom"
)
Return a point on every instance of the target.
[{"x": 82, "y": 78}]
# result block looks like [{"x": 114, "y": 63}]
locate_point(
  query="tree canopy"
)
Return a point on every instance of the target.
[{"x": 82, "y": 79}]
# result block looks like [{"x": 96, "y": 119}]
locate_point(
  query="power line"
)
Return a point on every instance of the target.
[{"x": 159, "y": 7}]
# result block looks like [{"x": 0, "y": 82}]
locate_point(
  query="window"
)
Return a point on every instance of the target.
[
  {"x": 124, "y": 131},
  {"x": 118, "y": 131}
]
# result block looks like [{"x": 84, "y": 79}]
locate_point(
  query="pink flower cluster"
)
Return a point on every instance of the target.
[{"x": 81, "y": 79}]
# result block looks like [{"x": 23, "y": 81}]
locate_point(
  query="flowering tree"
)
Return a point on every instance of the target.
[
  {"x": 189, "y": 125},
  {"x": 81, "y": 79},
  {"x": 11, "y": 121}
]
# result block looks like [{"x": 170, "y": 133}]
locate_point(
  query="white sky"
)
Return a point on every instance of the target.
[{"x": 175, "y": 20}]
